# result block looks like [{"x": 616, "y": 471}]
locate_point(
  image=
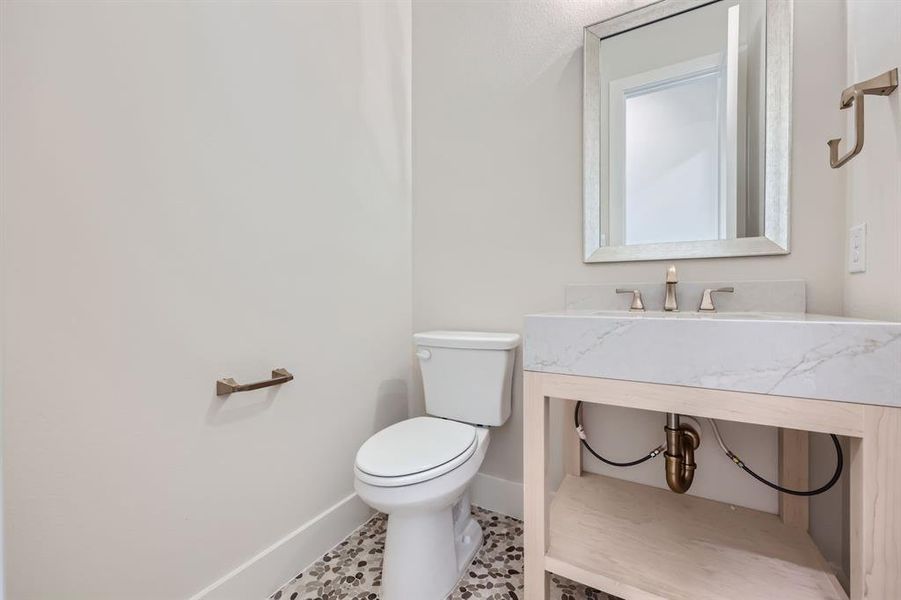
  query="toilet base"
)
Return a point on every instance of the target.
[
  {"x": 467, "y": 546},
  {"x": 426, "y": 553}
]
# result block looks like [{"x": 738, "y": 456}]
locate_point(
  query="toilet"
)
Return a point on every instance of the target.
[{"x": 418, "y": 471}]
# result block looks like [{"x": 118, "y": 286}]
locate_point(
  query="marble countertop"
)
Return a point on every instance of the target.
[{"x": 787, "y": 354}]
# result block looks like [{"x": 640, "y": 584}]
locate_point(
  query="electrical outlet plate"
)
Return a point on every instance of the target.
[{"x": 857, "y": 248}]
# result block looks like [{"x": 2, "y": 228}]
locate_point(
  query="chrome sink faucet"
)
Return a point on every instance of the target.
[{"x": 671, "y": 304}]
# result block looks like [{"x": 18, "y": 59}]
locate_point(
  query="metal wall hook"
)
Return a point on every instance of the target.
[{"x": 881, "y": 85}]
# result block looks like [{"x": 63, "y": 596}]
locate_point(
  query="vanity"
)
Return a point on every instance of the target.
[{"x": 795, "y": 371}]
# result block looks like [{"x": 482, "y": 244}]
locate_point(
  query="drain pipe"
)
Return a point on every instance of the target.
[{"x": 681, "y": 442}]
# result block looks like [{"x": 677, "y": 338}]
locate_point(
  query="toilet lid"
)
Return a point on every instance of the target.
[{"x": 414, "y": 446}]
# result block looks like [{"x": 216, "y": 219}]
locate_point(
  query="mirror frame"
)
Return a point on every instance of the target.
[{"x": 777, "y": 150}]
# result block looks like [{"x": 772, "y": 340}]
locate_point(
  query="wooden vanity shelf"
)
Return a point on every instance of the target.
[{"x": 640, "y": 542}]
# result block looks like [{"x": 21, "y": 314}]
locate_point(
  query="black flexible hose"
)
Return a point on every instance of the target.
[
  {"x": 612, "y": 463},
  {"x": 839, "y": 465}
]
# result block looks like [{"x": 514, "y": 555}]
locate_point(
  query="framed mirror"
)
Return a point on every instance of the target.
[{"x": 687, "y": 131}]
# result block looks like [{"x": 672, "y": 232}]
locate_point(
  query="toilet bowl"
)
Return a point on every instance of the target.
[
  {"x": 431, "y": 535},
  {"x": 418, "y": 471}
]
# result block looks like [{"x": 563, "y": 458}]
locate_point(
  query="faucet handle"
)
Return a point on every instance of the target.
[
  {"x": 707, "y": 298},
  {"x": 637, "y": 304}
]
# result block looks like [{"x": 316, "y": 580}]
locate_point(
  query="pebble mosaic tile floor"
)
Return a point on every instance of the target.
[{"x": 352, "y": 569}]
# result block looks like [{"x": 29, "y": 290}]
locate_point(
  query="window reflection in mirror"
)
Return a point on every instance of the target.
[{"x": 682, "y": 127}]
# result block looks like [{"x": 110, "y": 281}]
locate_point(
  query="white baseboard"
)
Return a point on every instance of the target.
[
  {"x": 500, "y": 495},
  {"x": 263, "y": 574}
]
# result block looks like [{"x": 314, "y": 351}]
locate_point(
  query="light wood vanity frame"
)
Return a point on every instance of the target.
[{"x": 572, "y": 535}]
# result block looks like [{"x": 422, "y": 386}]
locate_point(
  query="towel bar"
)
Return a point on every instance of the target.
[{"x": 228, "y": 385}]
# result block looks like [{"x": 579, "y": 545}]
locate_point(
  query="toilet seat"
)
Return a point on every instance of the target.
[{"x": 414, "y": 451}]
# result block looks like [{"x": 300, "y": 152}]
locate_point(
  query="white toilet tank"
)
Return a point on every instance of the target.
[{"x": 467, "y": 375}]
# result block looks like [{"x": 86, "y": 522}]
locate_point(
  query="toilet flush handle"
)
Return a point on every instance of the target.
[{"x": 423, "y": 354}]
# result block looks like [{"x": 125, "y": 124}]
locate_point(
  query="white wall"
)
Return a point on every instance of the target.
[
  {"x": 497, "y": 90},
  {"x": 873, "y": 188},
  {"x": 874, "y": 176},
  {"x": 192, "y": 191}
]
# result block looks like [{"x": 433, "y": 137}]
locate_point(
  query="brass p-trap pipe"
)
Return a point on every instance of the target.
[{"x": 681, "y": 442}]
